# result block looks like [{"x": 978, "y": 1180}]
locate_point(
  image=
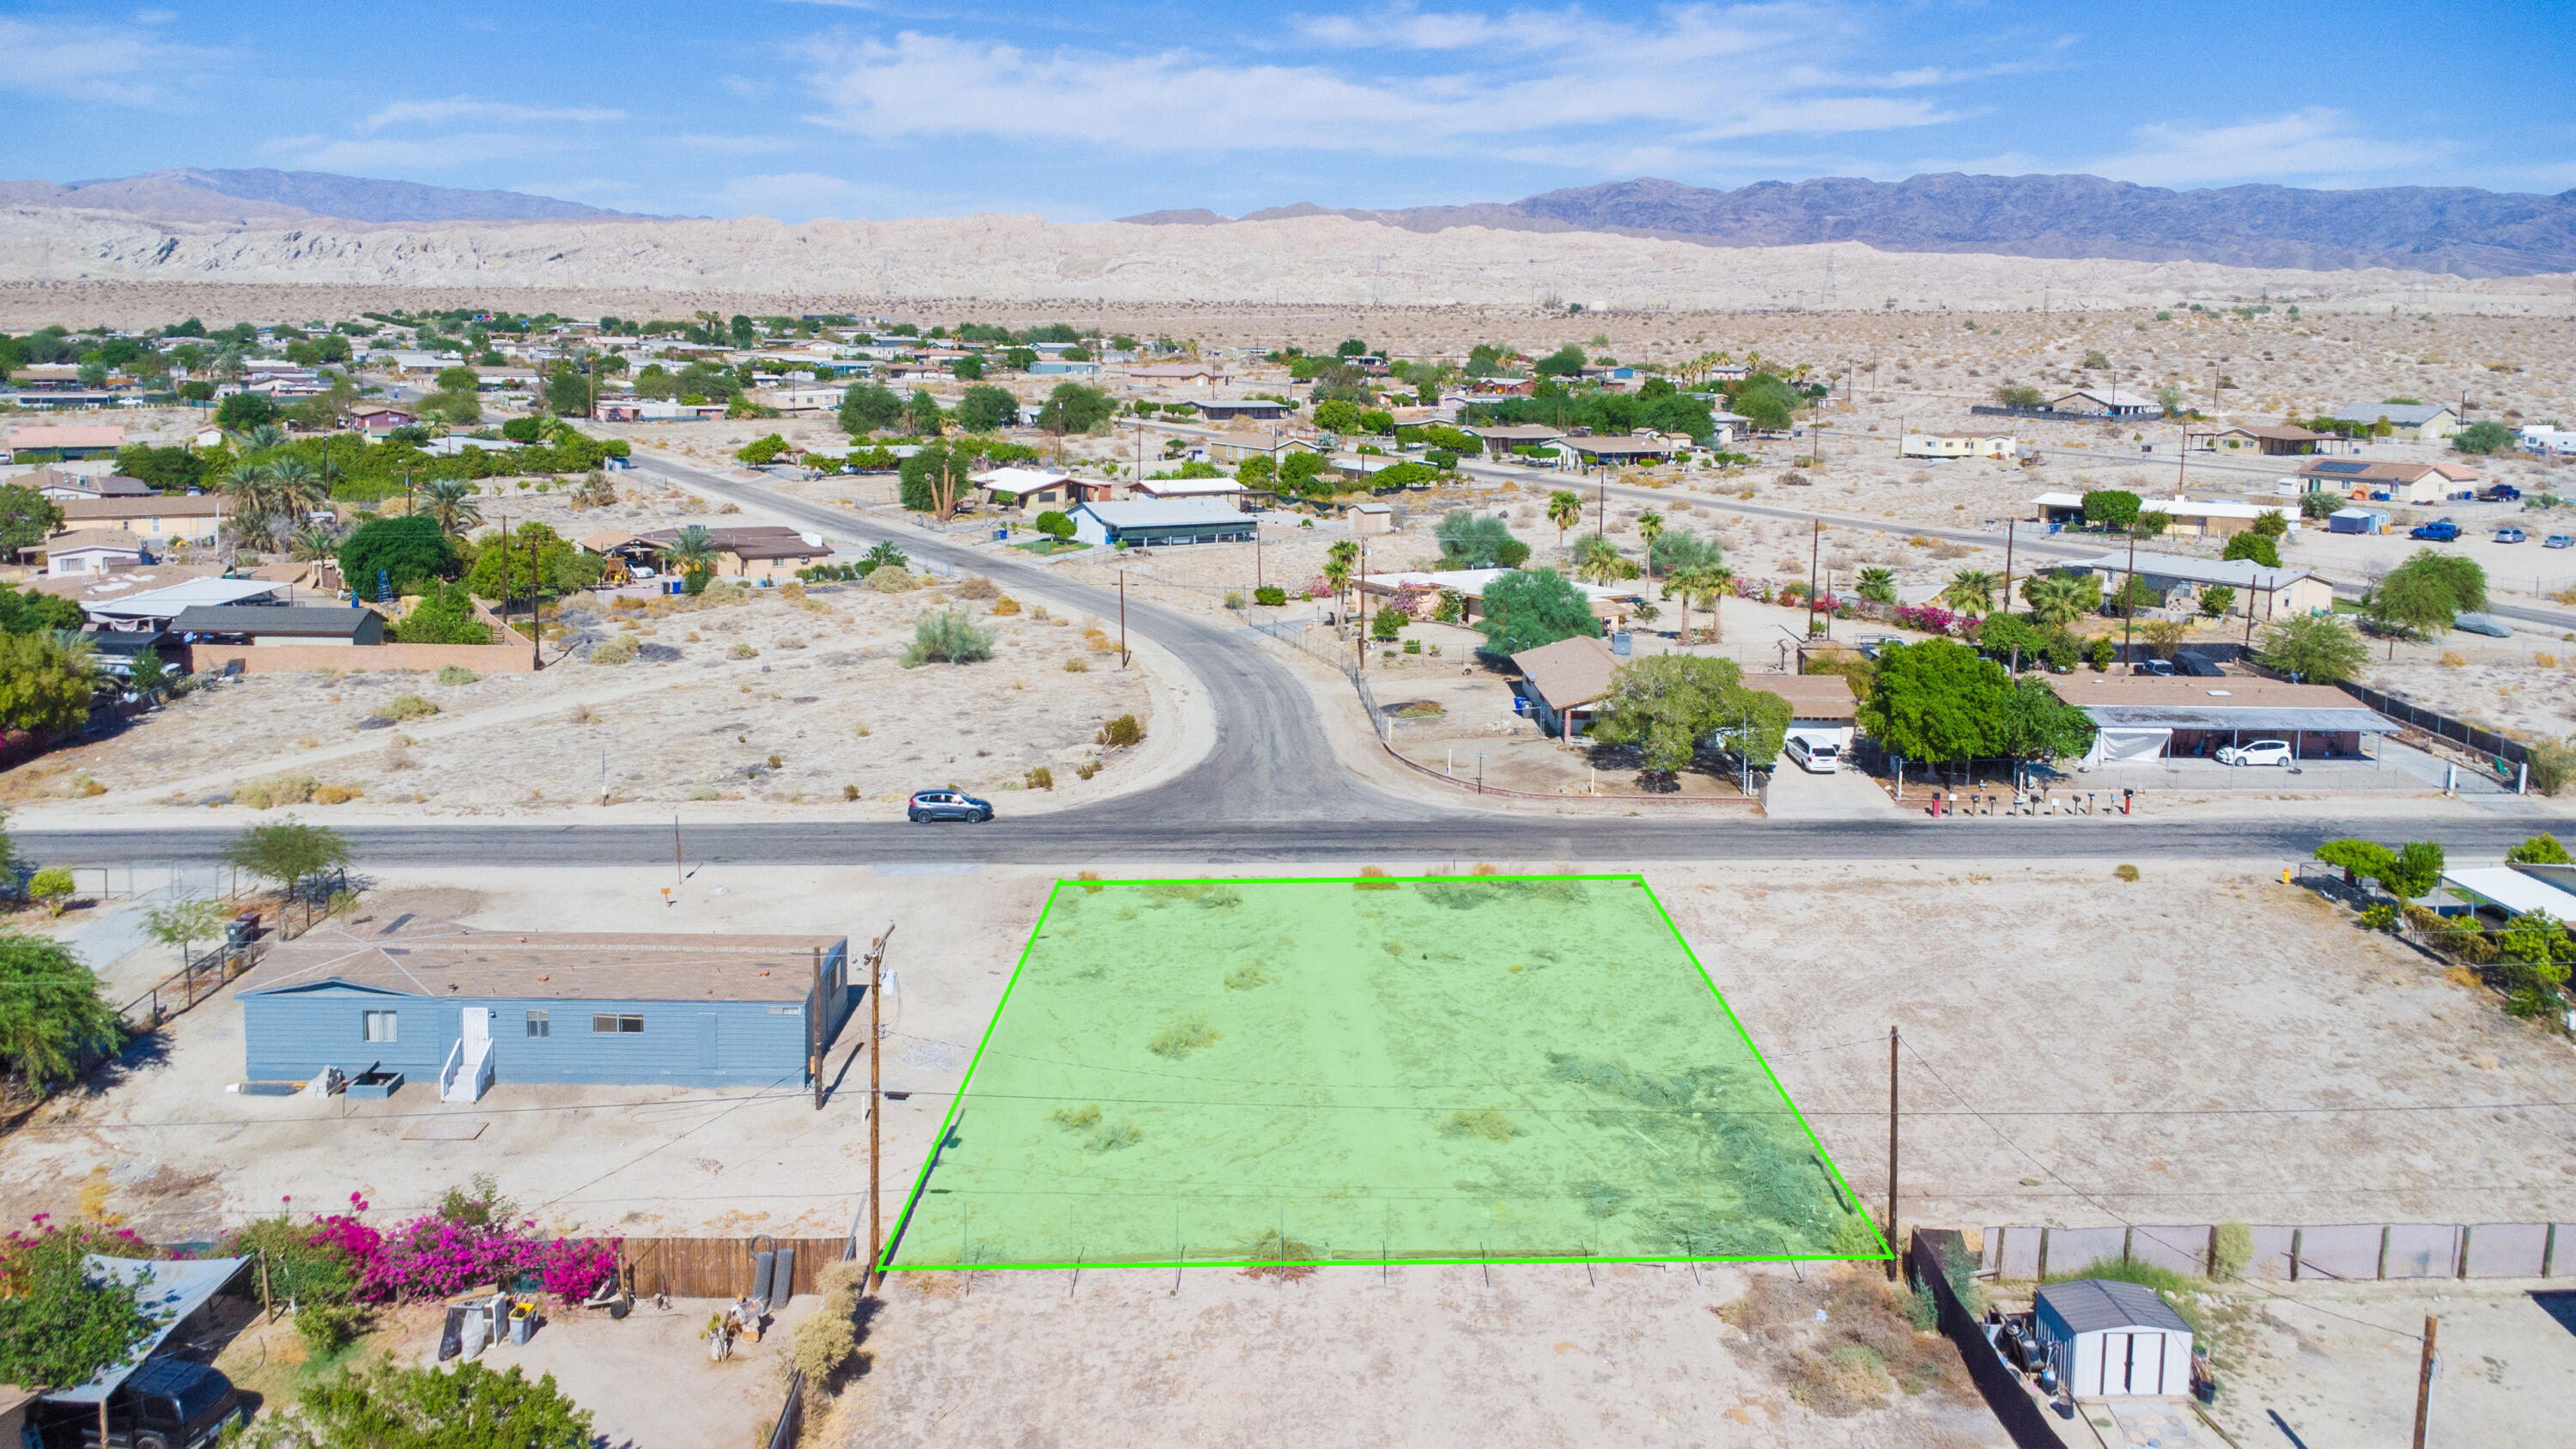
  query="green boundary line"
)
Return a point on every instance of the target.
[{"x": 966, "y": 1084}]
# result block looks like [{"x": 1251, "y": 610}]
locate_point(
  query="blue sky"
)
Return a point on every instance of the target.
[{"x": 883, "y": 108}]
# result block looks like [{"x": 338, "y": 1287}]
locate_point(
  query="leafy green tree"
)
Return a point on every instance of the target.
[
  {"x": 869, "y": 407},
  {"x": 2538, "y": 850},
  {"x": 24, "y": 612},
  {"x": 1478, "y": 541},
  {"x": 1665, "y": 705},
  {"x": 2271, "y": 523},
  {"x": 2533, "y": 953},
  {"x": 568, "y": 390},
  {"x": 2459, "y": 577},
  {"x": 27, "y": 517},
  {"x": 2020, "y": 396},
  {"x": 1054, "y": 524},
  {"x": 2412, "y": 602},
  {"x": 1256, "y": 471},
  {"x": 2358, "y": 859},
  {"x": 1304, "y": 473},
  {"x": 2151, "y": 523},
  {"x": 244, "y": 410},
  {"x": 1766, "y": 402},
  {"x": 47, "y": 682},
  {"x": 2034, "y": 724},
  {"x": 2216, "y": 600},
  {"x": 468, "y": 1407},
  {"x": 2255, "y": 546},
  {"x": 533, "y": 558},
  {"x": 969, "y": 368},
  {"x": 923, "y": 415},
  {"x": 2113, "y": 508},
  {"x": 1387, "y": 625},
  {"x": 444, "y": 615},
  {"x": 58, "y": 1328},
  {"x": 289, "y": 852},
  {"x": 1019, "y": 359},
  {"x": 2315, "y": 648},
  {"x": 166, "y": 470},
  {"x": 935, "y": 478},
  {"x": 2414, "y": 870},
  {"x": 1074, "y": 408},
  {"x": 1566, "y": 361},
  {"x": 2483, "y": 437},
  {"x": 1937, "y": 700},
  {"x": 1524, "y": 610},
  {"x": 986, "y": 408},
  {"x": 184, "y": 923},
  {"x": 1338, "y": 416},
  {"x": 1351, "y": 347},
  {"x": 401, "y": 552},
  {"x": 2007, "y": 635}
]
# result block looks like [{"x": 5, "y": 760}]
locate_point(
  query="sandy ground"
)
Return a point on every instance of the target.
[
  {"x": 772, "y": 700},
  {"x": 1510, "y": 1356}
]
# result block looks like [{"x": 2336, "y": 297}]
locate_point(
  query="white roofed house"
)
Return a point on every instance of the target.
[
  {"x": 1143, "y": 523},
  {"x": 1027, "y": 488},
  {"x": 2107, "y": 402},
  {"x": 2262, "y": 594},
  {"x": 1956, "y": 445},
  {"x": 2422, "y": 422},
  {"x": 1222, "y": 490}
]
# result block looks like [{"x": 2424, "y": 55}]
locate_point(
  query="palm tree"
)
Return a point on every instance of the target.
[
  {"x": 1877, "y": 585},
  {"x": 294, "y": 487},
  {"x": 887, "y": 554},
  {"x": 1598, "y": 561},
  {"x": 1702, "y": 584},
  {"x": 692, "y": 551},
  {"x": 314, "y": 542},
  {"x": 1650, "y": 526},
  {"x": 451, "y": 502},
  {"x": 1564, "y": 510},
  {"x": 1971, "y": 591},
  {"x": 260, "y": 439},
  {"x": 2054, "y": 598},
  {"x": 1338, "y": 563}
]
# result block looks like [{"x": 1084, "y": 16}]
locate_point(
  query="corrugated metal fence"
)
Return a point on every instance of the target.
[{"x": 2333, "y": 1251}]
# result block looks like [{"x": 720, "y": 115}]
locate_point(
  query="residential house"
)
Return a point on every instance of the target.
[
  {"x": 65, "y": 442},
  {"x": 2416, "y": 422},
  {"x": 2108, "y": 402},
  {"x": 269, "y": 625},
  {"x": 2545, "y": 438},
  {"x": 1998, "y": 446},
  {"x": 1026, "y": 488},
  {"x": 1822, "y": 709},
  {"x": 150, "y": 598},
  {"x": 1502, "y": 438},
  {"x": 2503, "y": 892},
  {"x": 1149, "y": 522},
  {"x": 1621, "y": 452},
  {"x": 457, "y": 1010},
  {"x": 1199, "y": 375},
  {"x": 764, "y": 554},
  {"x": 2281, "y": 442},
  {"x": 504, "y": 379},
  {"x": 2190, "y": 517},
  {"x": 94, "y": 551},
  {"x": 2263, "y": 594},
  {"x": 1564, "y": 681},
  {"x": 2387, "y": 482},
  {"x": 2146, "y": 717},
  {"x": 160, "y": 518},
  {"x": 62, "y": 485},
  {"x": 377, "y": 422},
  {"x": 1242, "y": 410},
  {"x": 1061, "y": 368},
  {"x": 1236, "y": 447}
]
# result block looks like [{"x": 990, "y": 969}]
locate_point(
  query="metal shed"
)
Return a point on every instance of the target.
[{"x": 2110, "y": 1339}]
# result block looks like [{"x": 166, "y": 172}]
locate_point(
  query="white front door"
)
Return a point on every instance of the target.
[{"x": 478, "y": 1028}]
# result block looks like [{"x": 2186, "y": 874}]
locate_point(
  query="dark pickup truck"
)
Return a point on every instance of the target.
[
  {"x": 168, "y": 1403},
  {"x": 2500, "y": 493}
]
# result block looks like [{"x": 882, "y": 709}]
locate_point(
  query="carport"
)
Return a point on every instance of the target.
[{"x": 2144, "y": 717}]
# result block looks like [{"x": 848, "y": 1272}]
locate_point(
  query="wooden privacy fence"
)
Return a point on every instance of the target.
[
  {"x": 719, "y": 1267},
  {"x": 2333, "y": 1252}
]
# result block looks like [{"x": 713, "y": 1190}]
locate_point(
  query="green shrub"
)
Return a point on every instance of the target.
[
  {"x": 1040, "y": 778},
  {"x": 2126, "y": 872},
  {"x": 2381, "y": 917},
  {"x": 1123, "y": 730},
  {"x": 51, "y": 886},
  {"x": 1189, "y": 1034},
  {"x": 2538, "y": 850},
  {"x": 1054, "y": 524},
  {"x": 2231, "y": 1248},
  {"x": 407, "y": 707},
  {"x": 947, "y": 637},
  {"x": 1234, "y": 598},
  {"x": 1270, "y": 596},
  {"x": 2103, "y": 652},
  {"x": 456, "y": 674},
  {"x": 326, "y": 1328},
  {"x": 2553, "y": 764},
  {"x": 620, "y": 650}
]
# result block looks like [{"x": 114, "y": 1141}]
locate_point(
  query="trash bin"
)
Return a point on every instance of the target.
[{"x": 523, "y": 1322}]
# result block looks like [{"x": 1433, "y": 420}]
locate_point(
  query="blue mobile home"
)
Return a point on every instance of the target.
[{"x": 455, "y": 1009}]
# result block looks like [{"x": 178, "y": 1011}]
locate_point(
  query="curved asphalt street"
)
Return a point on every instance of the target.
[{"x": 1270, "y": 789}]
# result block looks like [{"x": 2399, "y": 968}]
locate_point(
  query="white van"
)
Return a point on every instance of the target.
[{"x": 1816, "y": 757}]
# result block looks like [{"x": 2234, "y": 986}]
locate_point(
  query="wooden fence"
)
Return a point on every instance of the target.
[{"x": 719, "y": 1267}]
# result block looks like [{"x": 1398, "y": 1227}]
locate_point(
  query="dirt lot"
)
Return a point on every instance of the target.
[
  {"x": 647, "y": 1381},
  {"x": 767, "y": 699}
]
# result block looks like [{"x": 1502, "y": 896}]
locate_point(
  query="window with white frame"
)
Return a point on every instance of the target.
[{"x": 378, "y": 1025}]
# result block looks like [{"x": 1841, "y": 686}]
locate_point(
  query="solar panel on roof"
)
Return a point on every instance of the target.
[{"x": 2341, "y": 467}]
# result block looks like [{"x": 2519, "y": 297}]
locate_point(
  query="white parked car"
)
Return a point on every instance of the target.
[
  {"x": 2257, "y": 752},
  {"x": 1816, "y": 757}
]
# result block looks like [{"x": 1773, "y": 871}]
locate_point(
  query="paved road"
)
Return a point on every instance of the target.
[{"x": 1085, "y": 837}]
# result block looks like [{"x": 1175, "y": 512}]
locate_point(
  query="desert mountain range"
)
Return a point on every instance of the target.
[
  {"x": 188, "y": 194},
  {"x": 2458, "y": 230}
]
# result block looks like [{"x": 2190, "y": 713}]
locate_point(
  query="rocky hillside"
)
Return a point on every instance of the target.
[
  {"x": 2458, "y": 230},
  {"x": 186, "y": 194}
]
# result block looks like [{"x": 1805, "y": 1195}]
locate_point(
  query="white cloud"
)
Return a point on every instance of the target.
[
  {"x": 94, "y": 62},
  {"x": 1584, "y": 88},
  {"x": 459, "y": 108},
  {"x": 2314, "y": 144}
]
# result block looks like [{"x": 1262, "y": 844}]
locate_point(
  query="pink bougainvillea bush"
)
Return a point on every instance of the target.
[{"x": 464, "y": 1245}]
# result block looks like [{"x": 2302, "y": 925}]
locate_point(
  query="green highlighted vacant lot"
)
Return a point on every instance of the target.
[{"x": 1374, "y": 1070}]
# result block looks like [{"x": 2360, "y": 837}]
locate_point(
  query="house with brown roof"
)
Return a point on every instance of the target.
[
  {"x": 763, "y": 554},
  {"x": 159, "y": 518},
  {"x": 1564, "y": 680},
  {"x": 2388, "y": 482},
  {"x": 2266, "y": 442},
  {"x": 457, "y": 1010},
  {"x": 64, "y": 442},
  {"x": 94, "y": 551}
]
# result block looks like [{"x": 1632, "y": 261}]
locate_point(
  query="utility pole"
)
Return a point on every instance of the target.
[
  {"x": 1892, "y": 1042},
  {"x": 1359, "y": 608},
  {"x": 1815, "y": 556},
  {"x": 2129, "y": 595},
  {"x": 2424, "y": 1380},
  {"x": 2010, "y": 528},
  {"x": 876, "y": 1104},
  {"x": 678, "y": 865}
]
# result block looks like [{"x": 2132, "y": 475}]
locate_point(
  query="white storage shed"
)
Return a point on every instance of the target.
[{"x": 2114, "y": 1340}]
